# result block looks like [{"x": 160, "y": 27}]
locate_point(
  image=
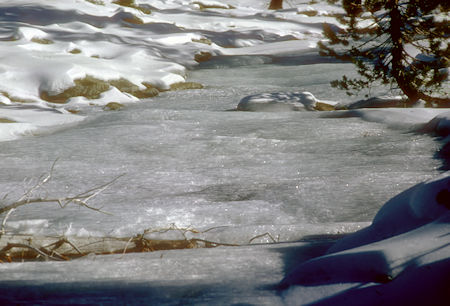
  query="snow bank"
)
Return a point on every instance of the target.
[
  {"x": 407, "y": 243},
  {"x": 377, "y": 262},
  {"x": 410, "y": 209}
]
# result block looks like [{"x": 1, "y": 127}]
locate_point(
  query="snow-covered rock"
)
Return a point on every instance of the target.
[{"x": 283, "y": 101}]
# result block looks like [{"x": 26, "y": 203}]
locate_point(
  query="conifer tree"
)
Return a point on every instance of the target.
[{"x": 404, "y": 43}]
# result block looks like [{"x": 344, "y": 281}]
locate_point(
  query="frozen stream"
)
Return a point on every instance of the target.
[{"x": 188, "y": 161}]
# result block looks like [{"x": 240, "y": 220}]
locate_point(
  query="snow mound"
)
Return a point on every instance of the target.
[
  {"x": 283, "y": 101},
  {"x": 383, "y": 274},
  {"x": 409, "y": 233},
  {"x": 378, "y": 262},
  {"x": 440, "y": 125},
  {"x": 410, "y": 209}
]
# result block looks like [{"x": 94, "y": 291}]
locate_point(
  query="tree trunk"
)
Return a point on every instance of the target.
[
  {"x": 276, "y": 4},
  {"x": 397, "y": 52}
]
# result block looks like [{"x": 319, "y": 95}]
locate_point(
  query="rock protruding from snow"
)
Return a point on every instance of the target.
[{"x": 283, "y": 101}]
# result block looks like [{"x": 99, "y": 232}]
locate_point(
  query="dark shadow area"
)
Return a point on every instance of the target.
[
  {"x": 357, "y": 267},
  {"x": 229, "y": 61},
  {"x": 304, "y": 59},
  {"x": 443, "y": 154},
  {"x": 227, "y": 39},
  {"x": 103, "y": 293},
  {"x": 381, "y": 278},
  {"x": 258, "y": 16},
  {"x": 317, "y": 246},
  {"x": 44, "y": 16},
  {"x": 441, "y": 133},
  {"x": 424, "y": 285}
]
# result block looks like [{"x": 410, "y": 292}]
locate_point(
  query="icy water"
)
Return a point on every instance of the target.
[{"x": 188, "y": 160}]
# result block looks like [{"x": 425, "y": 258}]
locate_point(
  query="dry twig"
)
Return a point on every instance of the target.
[{"x": 263, "y": 235}]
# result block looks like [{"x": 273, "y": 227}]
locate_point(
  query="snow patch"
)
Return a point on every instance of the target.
[{"x": 31, "y": 119}]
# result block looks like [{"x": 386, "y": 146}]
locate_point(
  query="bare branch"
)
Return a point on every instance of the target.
[
  {"x": 126, "y": 246},
  {"x": 27, "y": 246},
  {"x": 39, "y": 185},
  {"x": 263, "y": 235},
  {"x": 80, "y": 199},
  {"x": 60, "y": 242},
  {"x": 3, "y": 231},
  {"x": 213, "y": 243}
]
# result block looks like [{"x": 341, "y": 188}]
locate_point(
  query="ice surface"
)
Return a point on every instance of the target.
[{"x": 256, "y": 169}]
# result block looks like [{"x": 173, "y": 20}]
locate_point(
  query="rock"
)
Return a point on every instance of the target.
[
  {"x": 6, "y": 120},
  {"x": 186, "y": 85},
  {"x": 202, "y": 57},
  {"x": 322, "y": 106},
  {"x": 113, "y": 106}
]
